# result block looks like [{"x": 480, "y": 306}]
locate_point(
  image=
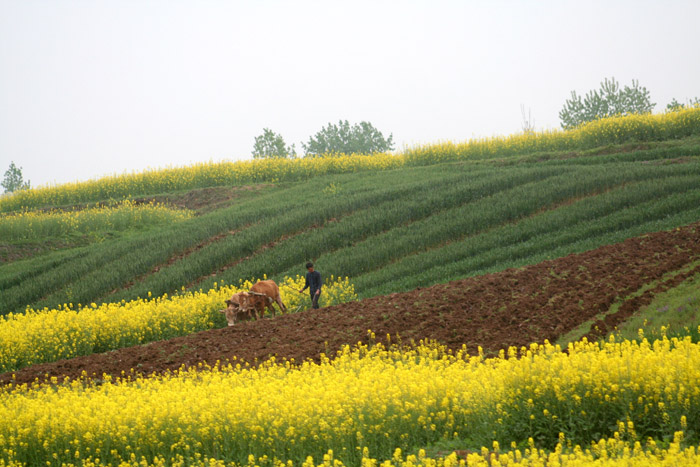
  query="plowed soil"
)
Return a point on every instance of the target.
[{"x": 510, "y": 308}]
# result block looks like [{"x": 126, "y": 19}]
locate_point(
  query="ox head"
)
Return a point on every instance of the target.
[{"x": 237, "y": 308}]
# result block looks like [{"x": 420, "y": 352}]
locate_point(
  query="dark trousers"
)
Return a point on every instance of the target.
[{"x": 314, "y": 300}]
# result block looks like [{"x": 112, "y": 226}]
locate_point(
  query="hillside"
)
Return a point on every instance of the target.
[
  {"x": 484, "y": 256},
  {"x": 515, "y": 307},
  {"x": 389, "y": 231}
]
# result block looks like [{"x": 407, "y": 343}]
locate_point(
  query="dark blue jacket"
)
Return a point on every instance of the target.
[{"x": 313, "y": 280}]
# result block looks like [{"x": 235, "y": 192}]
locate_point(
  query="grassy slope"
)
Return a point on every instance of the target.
[{"x": 389, "y": 231}]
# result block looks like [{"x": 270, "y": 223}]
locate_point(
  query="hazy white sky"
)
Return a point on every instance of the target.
[{"x": 90, "y": 88}]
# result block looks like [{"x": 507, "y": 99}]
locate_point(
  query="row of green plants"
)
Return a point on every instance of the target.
[
  {"x": 171, "y": 238},
  {"x": 353, "y": 225},
  {"x": 613, "y": 130},
  {"x": 504, "y": 207},
  {"x": 251, "y": 224},
  {"x": 139, "y": 256},
  {"x": 585, "y": 224},
  {"x": 407, "y": 252},
  {"x": 420, "y": 199},
  {"x": 651, "y": 152}
]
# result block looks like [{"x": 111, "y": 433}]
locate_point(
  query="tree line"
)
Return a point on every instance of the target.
[
  {"x": 610, "y": 100},
  {"x": 363, "y": 138},
  {"x": 343, "y": 138}
]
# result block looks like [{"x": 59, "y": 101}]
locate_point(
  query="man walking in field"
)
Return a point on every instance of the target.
[{"x": 313, "y": 283}]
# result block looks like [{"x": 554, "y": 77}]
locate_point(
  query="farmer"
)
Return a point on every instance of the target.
[{"x": 313, "y": 282}]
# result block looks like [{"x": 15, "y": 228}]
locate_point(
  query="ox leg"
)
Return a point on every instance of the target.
[
  {"x": 268, "y": 304},
  {"x": 281, "y": 304}
]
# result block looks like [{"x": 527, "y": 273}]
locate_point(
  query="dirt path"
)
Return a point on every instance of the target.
[{"x": 510, "y": 308}]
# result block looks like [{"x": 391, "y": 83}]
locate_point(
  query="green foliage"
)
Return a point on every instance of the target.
[
  {"x": 94, "y": 222},
  {"x": 454, "y": 220},
  {"x": 362, "y": 138},
  {"x": 608, "y": 101},
  {"x": 673, "y": 313},
  {"x": 675, "y": 106},
  {"x": 13, "y": 180},
  {"x": 271, "y": 145},
  {"x": 504, "y": 231}
]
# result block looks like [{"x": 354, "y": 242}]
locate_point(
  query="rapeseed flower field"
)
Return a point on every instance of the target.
[
  {"x": 370, "y": 405},
  {"x": 35, "y": 225},
  {"x": 47, "y": 335},
  {"x": 608, "y": 404},
  {"x": 606, "y": 131}
]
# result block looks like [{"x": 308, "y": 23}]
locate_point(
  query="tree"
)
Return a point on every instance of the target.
[
  {"x": 360, "y": 138},
  {"x": 271, "y": 145},
  {"x": 608, "y": 101},
  {"x": 13, "y": 179},
  {"x": 674, "y": 105}
]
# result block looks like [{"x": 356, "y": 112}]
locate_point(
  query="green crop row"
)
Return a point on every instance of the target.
[
  {"x": 111, "y": 265},
  {"x": 295, "y": 217},
  {"x": 586, "y": 224},
  {"x": 370, "y": 239},
  {"x": 362, "y": 243},
  {"x": 353, "y": 225},
  {"x": 484, "y": 214},
  {"x": 421, "y": 200}
]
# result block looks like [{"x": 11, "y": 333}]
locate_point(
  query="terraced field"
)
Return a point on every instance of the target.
[
  {"x": 514, "y": 307},
  {"x": 202, "y": 404},
  {"x": 485, "y": 251},
  {"x": 388, "y": 231}
]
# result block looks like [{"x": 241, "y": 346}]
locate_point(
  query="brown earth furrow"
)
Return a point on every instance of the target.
[{"x": 514, "y": 307}]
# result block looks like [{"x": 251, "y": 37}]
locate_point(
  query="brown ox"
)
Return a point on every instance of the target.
[{"x": 243, "y": 306}]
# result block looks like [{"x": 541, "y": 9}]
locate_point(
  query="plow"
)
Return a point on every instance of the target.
[{"x": 301, "y": 304}]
